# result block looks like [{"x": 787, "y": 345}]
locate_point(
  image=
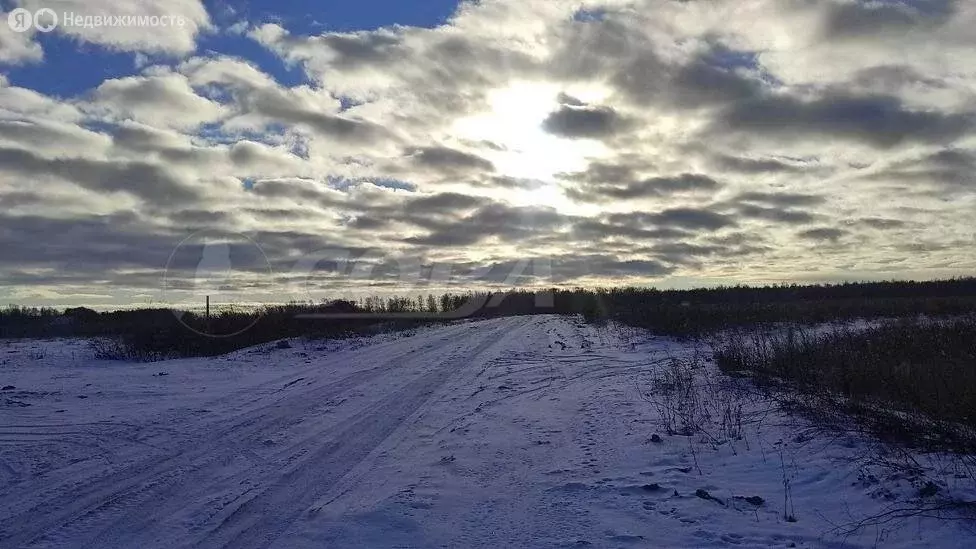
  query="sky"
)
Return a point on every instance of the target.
[{"x": 276, "y": 150}]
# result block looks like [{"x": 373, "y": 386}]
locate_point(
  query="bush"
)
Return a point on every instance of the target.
[
  {"x": 115, "y": 348},
  {"x": 910, "y": 380}
]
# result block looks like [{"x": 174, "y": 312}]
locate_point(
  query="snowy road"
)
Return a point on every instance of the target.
[{"x": 515, "y": 432}]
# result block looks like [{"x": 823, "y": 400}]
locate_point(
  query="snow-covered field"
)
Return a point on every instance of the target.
[{"x": 514, "y": 432}]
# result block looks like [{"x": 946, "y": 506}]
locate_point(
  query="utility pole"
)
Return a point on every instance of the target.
[{"x": 208, "y": 310}]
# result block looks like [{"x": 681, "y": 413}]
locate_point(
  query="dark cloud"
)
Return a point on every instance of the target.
[
  {"x": 954, "y": 158},
  {"x": 448, "y": 159},
  {"x": 273, "y": 105},
  {"x": 693, "y": 219},
  {"x": 448, "y": 238},
  {"x": 922, "y": 247},
  {"x": 684, "y": 253},
  {"x": 503, "y": 221},
  {"x": 775, "y": 214},
  {"x": 622, "y": 226},
  {"x": 560, "y": 269},
  {"x": 776, "y": 207},
  {"x": 586, "y": 47},
  {"x": 368, "y": 223},
  {"x": 587, "y": 122},
  {"x": 651, "y": 187},
  {"x": 782, "y": 199},
  {"x": 147, "y": 181},
  {"x": 715, "y": 77},
  {"x": 892, "y": 79},
  {"x": 704, "y": 83},
  {"x": 859, "y": 19},
  {"x": 451, "y": 203},
  {"x": 878, "y": 120},
  {"x": 194, "y": 220},
  {"x": 141, "y": 139},
  {"x": 304, "y": 191},
  {"x": 882, "y": 223},
  {"x": 85, "y": 248},
  {"x": 358, "y": 49},
  {"x": 823, "y": 234},
  {"x": 566, "y": 99},
  {"x": 755, "y": 165},
  {"x": 568, "y": 268},
  {"x": 681, "y": 183},
  {"x": 17, "y": 199},
  {"x": 603, "y": 172},
  {"x": 945, "y": 171}
]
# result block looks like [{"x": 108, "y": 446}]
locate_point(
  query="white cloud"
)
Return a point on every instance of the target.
[
  {"x": 163, "y": 100},
  {"x": 169, "y": 39},
  {"x": 17, "y": 48}
]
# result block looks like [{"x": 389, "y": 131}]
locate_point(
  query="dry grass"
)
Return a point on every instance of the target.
[{"x": 914, "y": 382}]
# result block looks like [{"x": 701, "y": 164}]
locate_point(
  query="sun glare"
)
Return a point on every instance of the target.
[{"x": 522, "y": 148}]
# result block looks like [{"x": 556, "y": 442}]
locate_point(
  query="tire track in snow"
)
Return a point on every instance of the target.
[
  {"x": 93, "y": 500},
  {"x": 116, "y": 489},
  {"x": 259, "y": 521},
  {"x": 235, "y": 411}
]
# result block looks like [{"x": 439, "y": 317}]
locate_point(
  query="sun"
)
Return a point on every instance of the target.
[{"x": 520, "y": 147}]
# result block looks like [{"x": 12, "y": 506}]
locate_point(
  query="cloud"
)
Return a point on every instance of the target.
[
  {"x": 584, "y": 122},
  {"x": 823, "y": 234},
  {"x": 632, "y": 227},
  {"x": 567, "y": 268},
  {"x": 696, "y": 140},
  {"x": 692, "y": 218},
  {"x": 170, "y": 39},
  {"x": 162, "y": 101},
  {"x": 782, "y": 199},
  {"x": 882, "y": 224},
  {"x": 69, "y": 245},
  {"x": 881, "y": 121},
  {"x": 146, "y": 181},
  {"x": 259, "y": 104},
  {"x": 492, "y": 221},
  {"x": 755, "y": 165},
  {"x": 441, "y": 203},
  {"x": 40, "y": 134},
  {"x": 704, "y": 79},
  {"x": 645, "y": 188},
  {"x": 17, "y": 48},
  {"x": 775, "y": 214},
  {"x": 448, "y": 159},
  {"x": 783, "y": 208},
  {"x": 141, "y": 138},
  {"x": 858, "y": 19},
  {"x": 944, "y": 171}
]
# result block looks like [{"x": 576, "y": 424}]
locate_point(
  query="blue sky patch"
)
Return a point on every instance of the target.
[{"x": 72, "y": 68}]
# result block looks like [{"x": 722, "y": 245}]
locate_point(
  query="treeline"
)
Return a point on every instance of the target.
[
  {"x": 153, "y": 334},
  {"x": 697, "y": 312},
  {"x": 682, "y": 313}
]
